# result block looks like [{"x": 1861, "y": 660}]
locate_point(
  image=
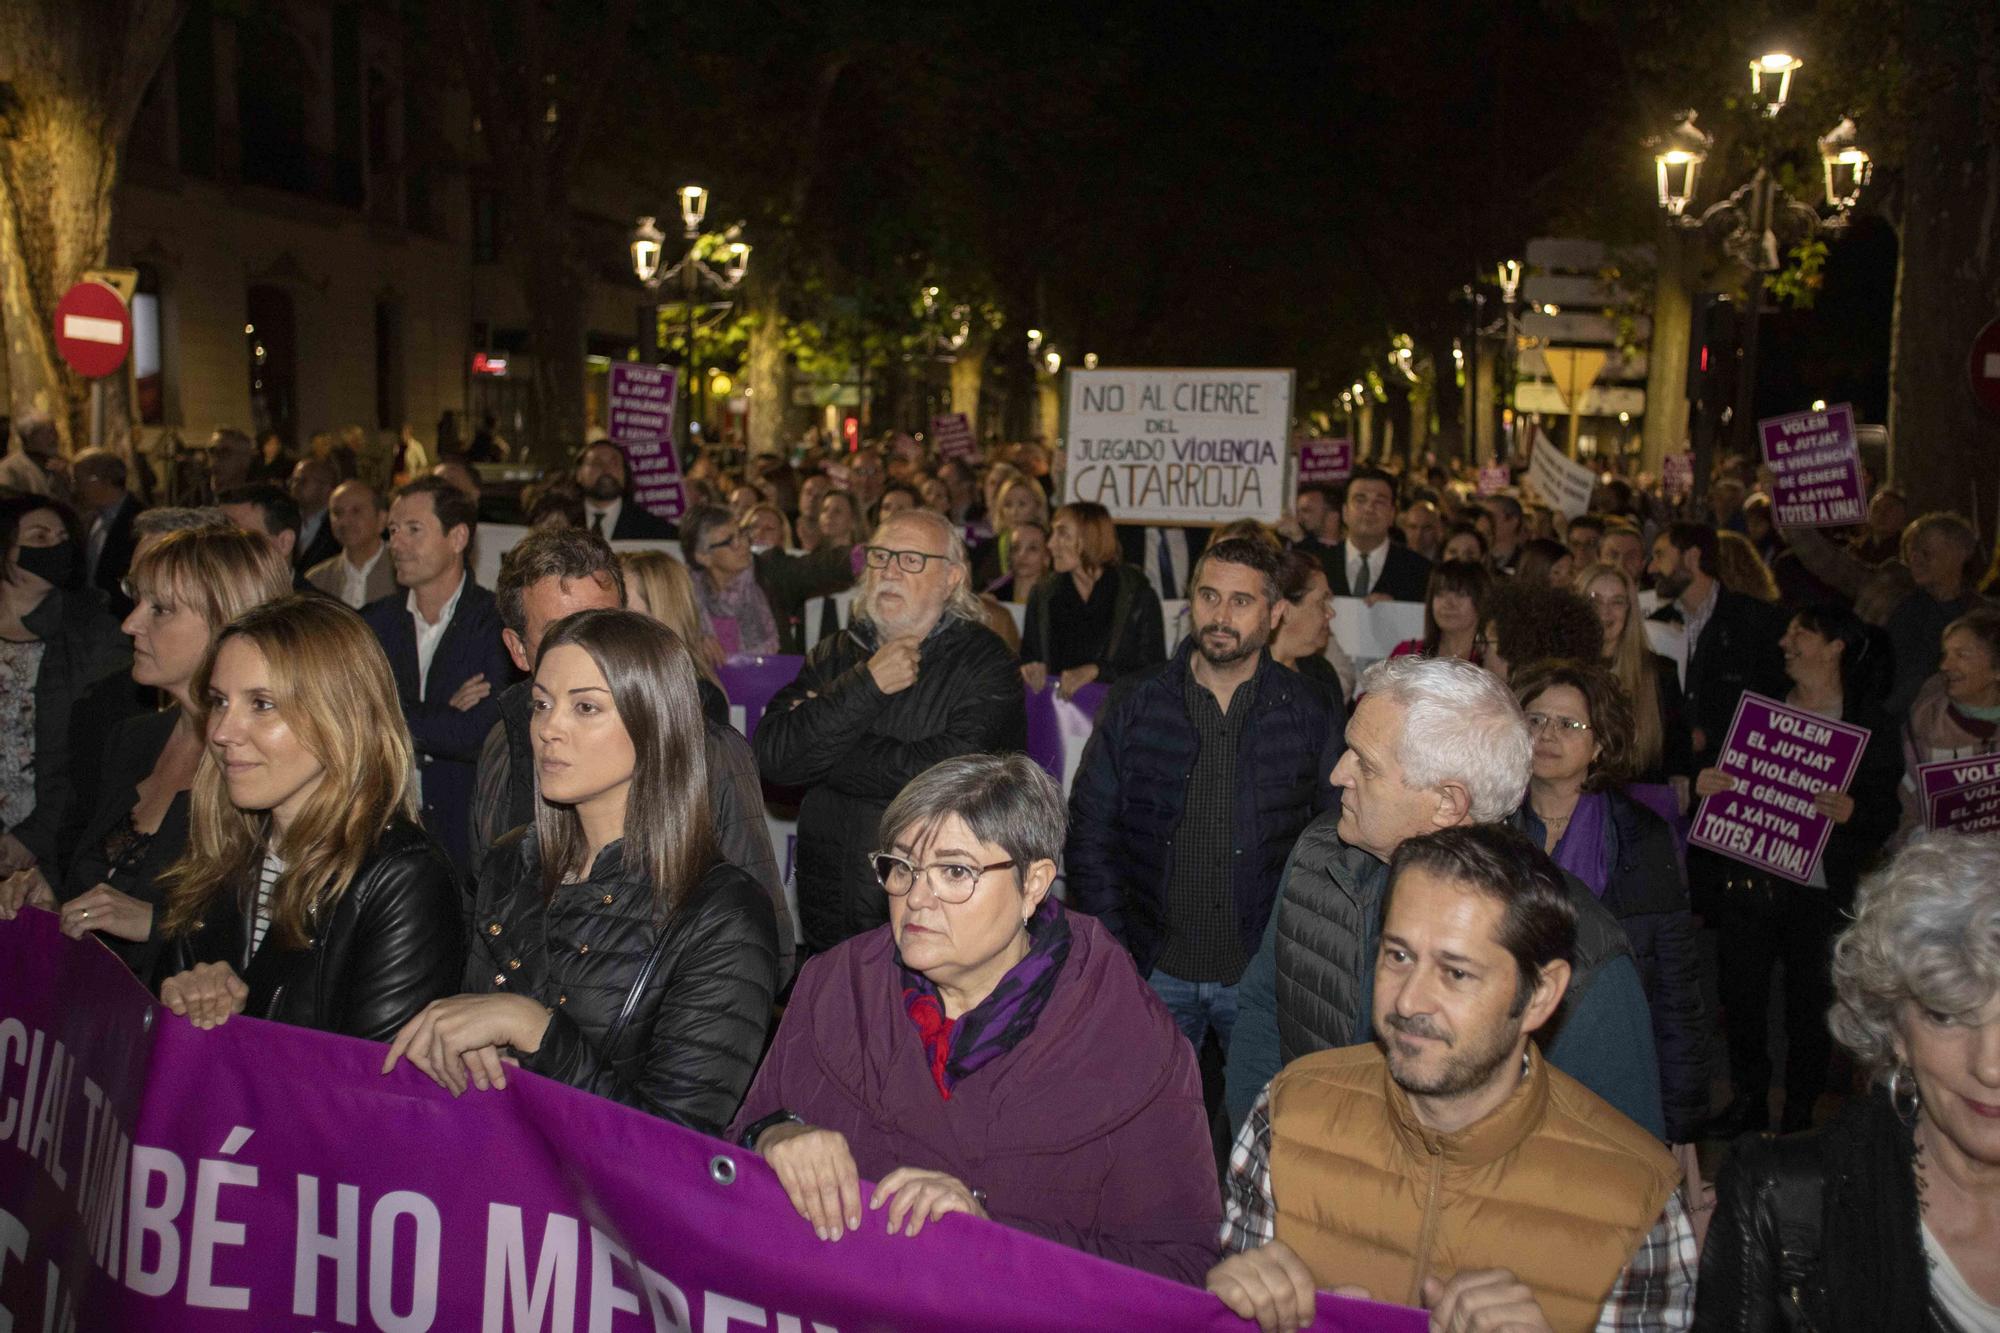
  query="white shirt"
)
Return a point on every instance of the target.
[
  {"x": 354, "y": 580},
  {"x": 429, "y": 635},
  {"x": 591, "y": 509},
  {"x": 1955, "y": 1294},
  {"x": 1376, "y": 559}
]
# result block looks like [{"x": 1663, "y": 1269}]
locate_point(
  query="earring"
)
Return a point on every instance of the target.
[{"x": 1899, "y": 1095}]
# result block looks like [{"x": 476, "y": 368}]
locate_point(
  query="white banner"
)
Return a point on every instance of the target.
[
  {"x": 1367, "y": 634},
  {"x": 1179, "y": 446},
  {"x": 1561, "y": 483}
]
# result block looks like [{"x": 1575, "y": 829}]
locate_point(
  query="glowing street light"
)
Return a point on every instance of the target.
[
  {"x": 648, "y": 242},
  {"x": 694, "y": 206},
  {"x": 1680, "y": 153},
  {"x": 1771, "y": 79},
  {"x": 1846, "y": 163}
]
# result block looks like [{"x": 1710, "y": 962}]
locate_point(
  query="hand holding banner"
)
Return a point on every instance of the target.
[{"x": 1781, "y": 758}]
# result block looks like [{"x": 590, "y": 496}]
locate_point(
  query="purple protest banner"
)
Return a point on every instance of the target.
[
  {"x": 640, "y": 420},
  {"x": 750, "y": 682},
  {"x": 1816, "y": 467},
  {"x": 1494, "y": 478},
  {"x": 1058, "y": 728},
  {"x": 1781, "y": 758},
  {"x": 1961, "y": 794},
  {"x": 258, "y": 1178},
  {"x": 1677, "y": 473},
  {"x": 952, "y": 433},
  {"x": 1325, "y": 461}
]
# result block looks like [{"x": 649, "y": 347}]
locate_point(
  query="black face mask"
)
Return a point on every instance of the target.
[{"x": 52, "y": 564}]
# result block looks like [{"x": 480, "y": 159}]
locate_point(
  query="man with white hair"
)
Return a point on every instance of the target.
[
  {"x": 1432, "y": 744},
  {"x": 916, "y": 678}
]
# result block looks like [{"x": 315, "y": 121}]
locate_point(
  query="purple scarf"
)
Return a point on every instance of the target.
[
  {"x": 1581, "y": 848},
  {"x": 739, "y": 612},
  {"x": 956, "y": 1047}
]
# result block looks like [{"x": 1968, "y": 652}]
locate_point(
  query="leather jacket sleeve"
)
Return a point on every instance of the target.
[
  {"x": 707, "y": 1029},
  {"x": 801, "y": 739},
  {"x": 1740, "y": 1257},
  {"x": 736, "y": 802},
  {"x": 1092, "y": 856},
  {"x": 408, "y": 945}
]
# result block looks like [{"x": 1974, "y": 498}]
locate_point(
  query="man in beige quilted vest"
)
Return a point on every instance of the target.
[{"x": 1447, "y": 1165}]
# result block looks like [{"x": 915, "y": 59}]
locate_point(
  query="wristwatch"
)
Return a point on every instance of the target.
[{"x": 749, "y": 1137}]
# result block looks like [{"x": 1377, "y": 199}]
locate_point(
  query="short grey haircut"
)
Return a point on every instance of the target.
[
  {"x": 101, "y": 463},
  {"x": 1941, "y": 525},
  {"x": 177, "y": 518},
  {"x": 1927, "y": 929},
  {"x": 963, "y": 603},
  {"x": 1460, "y": 725},
  {"x": 1005, "y": 799}
]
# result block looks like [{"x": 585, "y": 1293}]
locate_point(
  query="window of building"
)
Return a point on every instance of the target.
[{"x": 270, "y": 340}]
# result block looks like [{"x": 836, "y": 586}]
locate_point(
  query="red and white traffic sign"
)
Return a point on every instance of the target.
[
  {"x": 93, "y": 329},
  {"x": 1984, "y": 367}
]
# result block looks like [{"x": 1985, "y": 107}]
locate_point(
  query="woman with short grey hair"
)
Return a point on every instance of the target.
[
  {"x": 1892, "y": 1208},
  {"x": 987, "y": 1051}
]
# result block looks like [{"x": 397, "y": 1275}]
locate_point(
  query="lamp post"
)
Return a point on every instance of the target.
[
  {"x": 694, "y": 271},
  {"x": 1758, "y": 220},
  {"x": 1508, "y": 274}
]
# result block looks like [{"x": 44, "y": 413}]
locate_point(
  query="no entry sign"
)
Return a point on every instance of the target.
[
  {"x": 1984, "y": 367},
  {"x": 93, "y": 329}
]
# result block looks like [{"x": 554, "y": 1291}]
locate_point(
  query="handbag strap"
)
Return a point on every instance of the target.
[{"x": 639, "y": 984}]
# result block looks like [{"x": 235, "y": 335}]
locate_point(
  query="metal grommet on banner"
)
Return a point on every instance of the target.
[
  {"x": 146, "y": 1023},
  {"x": 722, "y": 1170}
]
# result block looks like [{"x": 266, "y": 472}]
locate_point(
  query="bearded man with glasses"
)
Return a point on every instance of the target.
[
  {"x": 916, "y": 678},
  {"x": 987, "y": 1051}
]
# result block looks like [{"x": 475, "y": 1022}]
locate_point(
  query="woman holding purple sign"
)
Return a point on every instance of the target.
[
  {"x": 1957, "y": 712},
  {"x": 987, "y": 1052},
  {"x": 1840, "y": 669}
]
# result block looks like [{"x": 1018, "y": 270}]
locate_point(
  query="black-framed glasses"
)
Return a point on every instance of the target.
[
  {"x": 1541, "y": 722},
  {"x": 910, "y": 562},
  {"x": 950, "y": 881}
]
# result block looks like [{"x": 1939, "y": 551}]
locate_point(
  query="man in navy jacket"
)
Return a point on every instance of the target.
[
  {"x": 1197, "y": 779},
  {"x": 442, "y": 634}
]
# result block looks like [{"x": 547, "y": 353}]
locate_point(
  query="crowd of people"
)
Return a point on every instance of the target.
[{"x": 1393, "y": 978}]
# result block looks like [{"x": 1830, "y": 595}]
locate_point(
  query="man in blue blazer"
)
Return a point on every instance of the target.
[{"x": 442, "y": 634}]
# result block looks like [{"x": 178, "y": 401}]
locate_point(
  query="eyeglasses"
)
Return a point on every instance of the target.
[
  {"x": 950, "y": 881},
  {"x": 1541, "y": 722},
  {"x": 910, "y": 562}
]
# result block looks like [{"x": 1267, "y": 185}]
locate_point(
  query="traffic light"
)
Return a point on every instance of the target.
[{"x": 1714, "y": 351}]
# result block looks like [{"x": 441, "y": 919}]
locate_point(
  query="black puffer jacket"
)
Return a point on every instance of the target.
[
  {"x": 854, "y": 747},
  {"x": 1130, "y": 793},
  {"x": 670, "y": 1018},
  {"x": 1820, "y": 1232},
  {"x": 83, "y": 645},
  {"x": 1647, "y": 892},
  {"x": 391, "y": 945}
]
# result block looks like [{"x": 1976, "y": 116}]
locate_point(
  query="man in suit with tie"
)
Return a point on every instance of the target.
[
  {"x": 1167, "y": 555},
  {"x": 442, "y": 636},
  {"x": 608, "y": 507},
  {"x": 98, "y": 476},
  {"x": 1368, "y": 564},
  {"x": 313, "y": 480}
]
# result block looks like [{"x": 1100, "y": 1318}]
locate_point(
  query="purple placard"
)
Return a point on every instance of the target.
[
  {"x": 259, "y": 1178},
  {"x": 1494, "y": 478},
  {"x": 1816, "y": 469},
  {"x": 953, "y": 436},
  {"x": 1677, "y": 473},
  {"x": 1781, "y": 757},
  {"x": 751, "y": 682},
  {"x": 1961, "y": 794},
  {"x": 640, "y": 414},
  {"x": 1325, "y": 461}
]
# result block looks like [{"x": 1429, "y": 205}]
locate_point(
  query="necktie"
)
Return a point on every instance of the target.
[
  {"x": 1166, "y": 566},
  {"x": 597, "y": 522},
  {"x": 1361, "y": 584}
]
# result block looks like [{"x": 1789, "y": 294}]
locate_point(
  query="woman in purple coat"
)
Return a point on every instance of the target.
[{"x": 987, "y": 1052}]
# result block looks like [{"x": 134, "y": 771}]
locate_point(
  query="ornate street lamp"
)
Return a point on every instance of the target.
[
  {"x": 694, "y": 207},
  {"x": 1847, "y": 165},
  {"x": 1771, "y": 79},
  {"x": 1678, "y": 158},
  {"x": 693, "y": 272},
  {"x": 647, "y": 244}
]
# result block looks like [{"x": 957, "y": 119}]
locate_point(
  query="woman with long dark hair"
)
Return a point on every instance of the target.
[
  {"x": 1453, "y": 612},
  {"x": 307, "y": 893},
  {"x": 613, "y": 948}
]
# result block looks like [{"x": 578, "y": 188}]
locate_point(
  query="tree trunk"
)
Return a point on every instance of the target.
[
  {"x": 77, "y": 74},
  {"x": 1666, "y": 421},
  {"x": 968, "y": 374},
  {"x": 550, "y": 277},
  {"x": 1944, "y": 448},
  {"x": 766, "y": 368}
]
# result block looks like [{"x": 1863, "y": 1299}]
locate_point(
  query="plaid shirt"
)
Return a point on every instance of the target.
[{"x": 1654, "y": 1293}]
